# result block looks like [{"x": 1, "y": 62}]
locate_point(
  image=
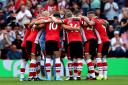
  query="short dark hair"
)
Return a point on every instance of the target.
[
  {"x": 68, "y": 14},
  {"x": 11, "y": 12},
  {"x": 56, "y": 14},
  {"x": 97, "y": 8},
  {"x": 76, "y": 12},
  {"x": 115, "y": 17},
  {"x": 90, "y": 11}
]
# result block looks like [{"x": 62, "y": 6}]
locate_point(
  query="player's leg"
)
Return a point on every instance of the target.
[
  {"x": 104, "y": 59},
  {"x": 25, "y": 56},
  {"x": 49, "y": 53},
  {"x": 79, "y": 56},
  {"x": 88, "y": 50},
  {"x": 38, "y": 64},
  {"x": 57, "y": 55},
  {"x": 70, "y": 64},
  {"x": 75, "y": 65},
  {"x": 23, "y": 64},
  {"x": 93, "y": 53},
  {"x": 32, "y": 66},
  {"x": 99, "y": 62}
]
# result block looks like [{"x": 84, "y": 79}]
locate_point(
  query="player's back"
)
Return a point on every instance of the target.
[
  {"x": 101, "y": 29},
  {"x": 73, "y": 35},
  {"x": 53, "y": 31}
]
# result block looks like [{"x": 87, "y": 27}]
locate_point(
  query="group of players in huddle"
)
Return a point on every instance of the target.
[{"x": 85, "y": 37}]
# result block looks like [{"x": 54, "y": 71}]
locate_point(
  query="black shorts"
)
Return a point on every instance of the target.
[
  {"x": 105, "y": 48},
  {"x": 29, "y": 47},
  {"x": 24, "y": 54},
  {"x": 38, "y": 50},
  {"x": 35, "y": 50},
  {"x": 76, "y": 49},
  {"x": 51, "y": 46},
  {"x": 91, "y": 47},
  {"x": 65, "y": 46}
]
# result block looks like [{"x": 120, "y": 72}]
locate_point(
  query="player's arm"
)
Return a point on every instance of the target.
[
  {"x": 75, "y": 18},
  {"x": 69, "y": 27},
  {"x": 87, "y": 21},
  {"x": 42, "y": 21},
  {"x": 57, "y": 21},
  {"x": 92, "y": 23},
  {"x": 32, "y": 23}
]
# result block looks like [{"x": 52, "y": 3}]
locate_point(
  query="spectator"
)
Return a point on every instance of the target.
[
  {"x": 31, "y": 8},
  {"x": 6, "y": 14},
  {"x": 1, "y": 5},
  {"x": 13, "y": 53},
  {"x": 122, "y": 14},
  {"x": 99, "y": 14},
  {"x": 75, "y": 6},
  {"x": 18, "y": 3},
  {"x": 75, "y": 2},
  {"x": 38, "y": 11},
  {"x": 11, "y": 6},
  {"x": 111, "y": 9},
  {"x": 11, "y": 20},
  {"x": 124, "y": 22},
  {"x": 110, "y": 32},
  {"x": 51, "y": 6},
  {"x": 116, "y": 23},
  {"x": 4, "y": 43},
  {"x": 85, "y": 7},
  {"x": 62, "y": 12},
  {"x": 17, "y": 42},
  {"x": 125, "y": 40},
  {"x": 20, "y": 31},
  {"x": 11, "y": 34},
  {"x": 61, "y": 4},
  {"x": 3, "y": 2},
  {"x": 24, "y": 15},
  {"x": 2, "y": 21},
  {"x": 117, "y": 45},
  {"x": 102, "y": 5},
  {"x": 95, "y": 4}
]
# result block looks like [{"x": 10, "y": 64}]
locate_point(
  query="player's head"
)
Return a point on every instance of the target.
[
  {"x": 68, "y": 14},
  {"x": 77, "y": 13},
  {"x": 45, "y": 14},
  {"x": 56, "y": 14},
  {"x": 90, "y": 14}
]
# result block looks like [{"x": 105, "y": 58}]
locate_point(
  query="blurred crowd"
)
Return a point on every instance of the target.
[{"x": 15, "y": 13}]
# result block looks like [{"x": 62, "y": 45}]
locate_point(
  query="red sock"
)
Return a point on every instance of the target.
[
  {"x": 79, "y": 67},
  {"x": 70, "y": 68},
  {"x": 58, "y": 69},
  {"x": 32, "y": 68},
  {"x": 91, "y": 69},
  {"x": 22, "y": 70},
  {"x": 48, "y": 67},
  {"x": 75, "y": 69},
  {"x": 100, "y": 66}
]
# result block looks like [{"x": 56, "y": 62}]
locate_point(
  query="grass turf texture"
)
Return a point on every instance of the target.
[{"x": 113, "y": 80}]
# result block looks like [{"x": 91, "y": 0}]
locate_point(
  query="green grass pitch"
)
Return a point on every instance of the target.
[{"x": 113, "y": 80}]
